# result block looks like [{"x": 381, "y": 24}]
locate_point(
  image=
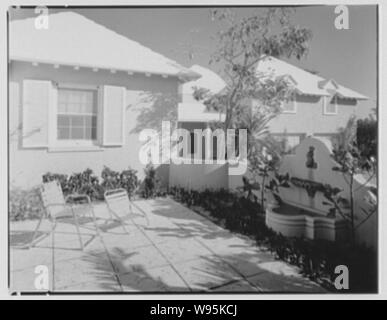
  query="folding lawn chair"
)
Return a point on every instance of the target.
[
  {"x": 120, "y": 206},
  {"x": 57, "y": 207}
]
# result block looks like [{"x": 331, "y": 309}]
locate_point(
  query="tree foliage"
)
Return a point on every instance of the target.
[
  {"x": 367, "y": 132},
  {"x": 351, "y": 162},
  {"x": 242, "y": 44},
  {"x": 252, "y": 99}
]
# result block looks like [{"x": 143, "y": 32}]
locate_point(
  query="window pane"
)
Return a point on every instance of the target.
[
  {"x": 331, "y": 108},
  {"x": 87, "y": 100},
  {"x": 63, "y": 121},
  {"x": 73, "y": 96},
  {"x": 77, "y": 121},
  {"x": 62, "y": 107},
  {"x": 94, "y": 103},
  {"x": 77, "y": 133},
  {"x": 63, "y": 96},
  {"x": 77, "y": 101},
  {"x": 89, "y": 121},
  {"x": 77, "y": 114},
  {"x": 73, "y": 108},
  {"x": 94, "y": 133},
  {"x": 90, "y": 133},
  {"x": 63, "y": 133}
]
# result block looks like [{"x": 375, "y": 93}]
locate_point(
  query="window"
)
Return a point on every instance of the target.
[
  {"x": 290, "y": 106},
  {"x": 77, "y": 114},
  {"x": 330, "y": 105}
]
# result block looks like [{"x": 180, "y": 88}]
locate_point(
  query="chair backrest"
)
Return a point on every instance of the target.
[
  {"x": 53, "y": 199},
  {"x": 118, "y": 201}
]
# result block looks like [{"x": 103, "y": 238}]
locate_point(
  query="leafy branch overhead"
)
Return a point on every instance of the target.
[{"x": 242, "y": 44}]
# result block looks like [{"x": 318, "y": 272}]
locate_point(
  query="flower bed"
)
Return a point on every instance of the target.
[
  {"x": 27, "y": 204},
  {"x": 317, "y": 259}
]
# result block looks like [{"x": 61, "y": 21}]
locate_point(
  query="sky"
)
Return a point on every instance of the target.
[{"x": 187, "y": 35}]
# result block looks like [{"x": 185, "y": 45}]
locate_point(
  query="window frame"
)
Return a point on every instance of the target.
[
  {"x": 77, "y": 144},
  {"x": 293, "y": 102},
  {"x": 327, "y": 102}
]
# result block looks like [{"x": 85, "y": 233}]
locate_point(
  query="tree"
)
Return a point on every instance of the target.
[
  {"x": 242, "y": 44},
  {"x": 367, "y": 132},
  {"x": 351, "y": 162}
]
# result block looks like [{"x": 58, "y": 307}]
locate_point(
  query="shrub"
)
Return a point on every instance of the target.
[
  {"x": 82, "y": 183},
  {"x": 61, "y": 178},
  {"x": 316, "y": 259},
  {"x": 25, "y": 204},
  {"x": 151, "y": 186},
  {"x": 126, "y": 179},
  {"x": 87, "y": 183}
]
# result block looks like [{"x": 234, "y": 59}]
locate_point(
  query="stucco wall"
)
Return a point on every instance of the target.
[
  {"x": 310, "y": 117},
  {"x": 199, "y": 176},
  {"x": 295, "y": 166},
  {"x": 149, "y": 101}
]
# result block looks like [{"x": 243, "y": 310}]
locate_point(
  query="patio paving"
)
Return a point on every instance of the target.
[{"x": 178, "y": 251}]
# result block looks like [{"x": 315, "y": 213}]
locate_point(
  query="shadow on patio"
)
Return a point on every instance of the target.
[{"x": 178, "y": 251}]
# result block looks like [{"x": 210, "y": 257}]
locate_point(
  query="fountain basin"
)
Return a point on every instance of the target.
[{"x": 291, "y": 221}]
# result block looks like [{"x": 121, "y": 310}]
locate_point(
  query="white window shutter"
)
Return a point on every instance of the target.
[
  {"x": 37, "y": 98},
  {"x": 112, "y": 115}
]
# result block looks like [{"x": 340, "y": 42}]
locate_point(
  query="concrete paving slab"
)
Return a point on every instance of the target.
[
  {"x": 88, "y": 269},
  {"x": 139, "y": 259},
  {"x": 125, "y": 242},
  {"x": 178, "y": 250},
  {"x": 27, "y": 280},
  {"x": 29, "y": 258},
  {"x": 162, "y": 279},
  {"x": 236, "y": 286},
  {"x": 108, "y": 285},
  {"x": 205, "y": 273},
  {"x": 183, "y": 250}
]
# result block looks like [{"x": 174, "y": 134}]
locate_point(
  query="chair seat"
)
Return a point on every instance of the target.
[{"x": 80, "y": 210}]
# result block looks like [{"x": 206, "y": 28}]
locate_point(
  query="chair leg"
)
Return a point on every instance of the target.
[
  {"x": 121, "y": 221},
  {"x": 77, "y": 227},
  {"x": 142, "y": 213},
  {"x": 95, "y": 221},
  {"x": 110, "y": 218},
  {"x": 35, "y": 232},
  {"x": 53, "y": 226}
]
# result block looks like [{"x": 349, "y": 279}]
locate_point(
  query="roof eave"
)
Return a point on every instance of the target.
[
  {"x": 182, "y": 75},
  {"x": 361, "y": 97}
]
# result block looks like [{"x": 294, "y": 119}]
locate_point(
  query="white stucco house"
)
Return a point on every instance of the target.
[
  {"x": 320, "y": 108},
  {"x": 321, "y": 105},
  {"x": 79, "y": 94}
]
